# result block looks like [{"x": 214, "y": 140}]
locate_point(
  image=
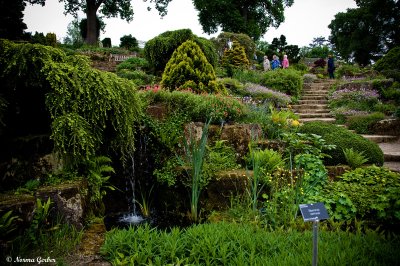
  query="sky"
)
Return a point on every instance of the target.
[{"x": 304, "y": 20}]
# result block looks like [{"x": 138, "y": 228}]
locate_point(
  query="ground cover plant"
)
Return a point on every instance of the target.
[{"x": 244, "y": 244}]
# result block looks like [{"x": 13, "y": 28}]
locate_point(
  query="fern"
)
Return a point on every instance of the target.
[{"x": 354, "y": 158}]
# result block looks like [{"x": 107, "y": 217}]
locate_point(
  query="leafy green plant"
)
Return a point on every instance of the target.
[
  {"x": 145, "y": 202},
  {"x": 39, "y": 221},
  {"x": 255, "y": 184},
  {"x": 97, "y": 169},
  {"x": 7, "y": 224},
  {"x": 194, "y": 158},
  {"x": 354, "y": 159},
  {"x": 244, "y": 244},
  {"x": 315, "y": 175}
]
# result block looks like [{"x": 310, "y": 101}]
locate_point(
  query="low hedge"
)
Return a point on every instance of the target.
[
  {"x": 289, "y": 81},
  {"x": 343, "y": 138}
]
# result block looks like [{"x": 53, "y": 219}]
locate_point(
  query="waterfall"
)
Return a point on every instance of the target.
[{"x": 132, "y": 217}]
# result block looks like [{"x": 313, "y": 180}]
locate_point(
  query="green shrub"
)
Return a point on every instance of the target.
[
  {"x": 233, "y": 86},
  {"x": 198, "y": 107},
  {"x": 189, "y": 68},
  {"x": 235, "y": 58},
  {"x": 159, "y": 50},
  {"x": 139, "y": 77},
  {"x": 347, "y": 70},
  {"x": 343, "y": 138},
  {"x": 390, "y": 61},
  {"x": 243, "y": 39},
  {"x": 134, "y": 63},
  {"x": 285, "y": 80},
  {"x": 362, "y": 123}
]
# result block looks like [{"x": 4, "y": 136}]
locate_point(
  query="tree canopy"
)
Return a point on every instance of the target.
[
  {"x": 366, "y": 32},
  {"x": 11, "y": 25},
  {"x": 108, "y": 8},
  {"x": 252, "y": 17}
]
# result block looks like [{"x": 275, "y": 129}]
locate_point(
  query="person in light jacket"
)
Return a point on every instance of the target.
[{"x": 266, "y": 63}]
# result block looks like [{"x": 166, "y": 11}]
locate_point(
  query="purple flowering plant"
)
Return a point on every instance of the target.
[
  {"x": 263, "y": 94},
  {"x": 361, "y": 99}
]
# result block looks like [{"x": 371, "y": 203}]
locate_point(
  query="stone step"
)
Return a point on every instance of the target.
[
  {"x": 313, "y": 97},
  {"x": 393, "y": 166},
  {"x": 313, "y": 92},
  {"x": 312, "y": 119},
  {"x": 309, "y": 111},
  {"x": 381, "y": 138},
  {"x": 310, "y": 106},
  {"x": 305, "y": 101},
  {"x": 314, "y": 115}
]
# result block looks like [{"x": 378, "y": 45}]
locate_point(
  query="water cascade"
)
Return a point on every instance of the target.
[{"x": 132, "y": 217}]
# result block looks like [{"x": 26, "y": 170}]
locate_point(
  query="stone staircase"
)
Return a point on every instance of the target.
[
  {"x": 313, "y": 105},
  {"x": 390, "y": 146}
]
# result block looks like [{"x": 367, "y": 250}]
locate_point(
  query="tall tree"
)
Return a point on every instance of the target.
[
  {"x": 108, "y": 8},
  {"x": 11, "y": 24},
  {"x": 366, "y": 32},
  {"x": 252, "y": 17}
]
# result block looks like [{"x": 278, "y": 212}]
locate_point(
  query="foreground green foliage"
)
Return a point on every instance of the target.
[
  {"x": 368, "y": 194},
  {"x": 241, "y": 244}
]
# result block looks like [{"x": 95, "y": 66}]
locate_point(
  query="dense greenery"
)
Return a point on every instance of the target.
[
  {"x": 343, "y": 138},
  {"x": 241, "y": 244},
  {"x": 368, "y": 194},
  {"x": 89, "y": 111}
]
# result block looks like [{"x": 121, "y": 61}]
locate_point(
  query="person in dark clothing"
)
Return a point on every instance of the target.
[{"x": 331, "y": 67}]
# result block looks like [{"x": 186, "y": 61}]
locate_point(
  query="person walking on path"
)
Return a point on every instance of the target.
[
  {"x": 275, "y": 62},
  {"x": 331, "y": 67},
  {"x": 266, "y": 64},
  {"x": 285, "y": 62}
]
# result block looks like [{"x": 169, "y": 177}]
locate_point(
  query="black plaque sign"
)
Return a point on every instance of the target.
[{"x": 313, "y": 212}]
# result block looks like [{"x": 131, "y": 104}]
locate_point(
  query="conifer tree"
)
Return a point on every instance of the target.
[{"x": 189, "y": 68}]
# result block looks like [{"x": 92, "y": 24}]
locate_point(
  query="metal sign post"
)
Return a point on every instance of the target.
[
  {"x": 315, "y": 243},
  {"x": 314, "y": 212}
]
